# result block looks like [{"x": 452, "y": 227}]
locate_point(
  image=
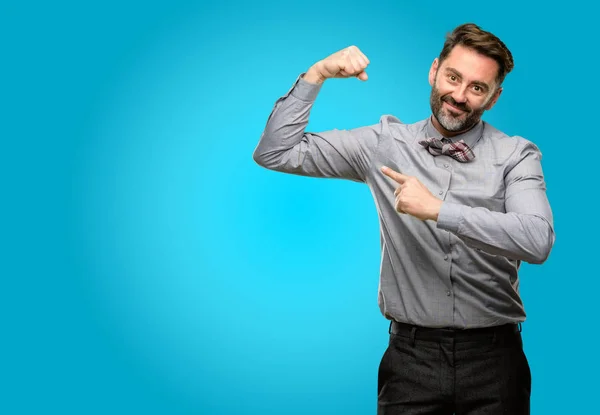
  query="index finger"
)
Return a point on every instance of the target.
[
  {"x": 361, "y": 53},
  {"x": 399, "y": 177},
  {"x": 365, "y": 57}
]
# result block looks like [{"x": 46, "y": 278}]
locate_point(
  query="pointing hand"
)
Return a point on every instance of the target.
[{"x": 413, "y": 197}]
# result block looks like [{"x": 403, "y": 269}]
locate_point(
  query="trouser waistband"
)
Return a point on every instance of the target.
[{"x": 440, "y": 334}]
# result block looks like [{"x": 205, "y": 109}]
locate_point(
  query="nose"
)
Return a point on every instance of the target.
[{"x": 460, "y": 95}]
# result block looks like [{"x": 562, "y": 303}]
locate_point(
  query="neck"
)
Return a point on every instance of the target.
[{"x": 445, "y": 132}]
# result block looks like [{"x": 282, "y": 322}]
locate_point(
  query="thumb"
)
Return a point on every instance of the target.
[{"x": 362, "y": 76}]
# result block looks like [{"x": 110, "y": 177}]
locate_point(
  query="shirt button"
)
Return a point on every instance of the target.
[
  {"x": 441, "y": 192},
  {"x": 445, "y": 257},
  {"x": 446, "y": 165},
  {"x": 448, "y": 293}
]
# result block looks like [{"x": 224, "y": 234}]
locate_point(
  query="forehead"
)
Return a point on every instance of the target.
[{"x": 472, "y": 65}]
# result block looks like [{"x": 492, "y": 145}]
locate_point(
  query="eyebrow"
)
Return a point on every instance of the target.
[{"x": 479, "y": 83}]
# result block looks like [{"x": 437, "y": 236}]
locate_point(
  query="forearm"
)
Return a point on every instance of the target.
[
  {"x": 313, "y": 75},
  {"x": 286, "y": 124},
  {"x": 522, "y": 236}
]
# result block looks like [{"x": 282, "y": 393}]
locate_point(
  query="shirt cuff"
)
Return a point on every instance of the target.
[
  {"x": 304, "y": 90},
  {"x": 450, "y": 216}
]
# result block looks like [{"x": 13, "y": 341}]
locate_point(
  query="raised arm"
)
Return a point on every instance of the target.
[{"x": 285, "y": 146}]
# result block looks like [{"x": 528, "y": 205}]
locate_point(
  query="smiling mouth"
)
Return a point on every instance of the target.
[{"x": 453, "y": 108}]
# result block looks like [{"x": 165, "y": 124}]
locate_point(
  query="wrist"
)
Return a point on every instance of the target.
[
  {"x": 450, "y": 216},
  {"x": 313, "y": 76},
  {"x": 435, "y": 209}
]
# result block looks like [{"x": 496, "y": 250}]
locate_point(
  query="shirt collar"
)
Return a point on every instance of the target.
[{"x": 470, "y": 137}]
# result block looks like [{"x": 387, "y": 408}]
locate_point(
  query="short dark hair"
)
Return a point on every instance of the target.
[{"x": 472, "y": 36}]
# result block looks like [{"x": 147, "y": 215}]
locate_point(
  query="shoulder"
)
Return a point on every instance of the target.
[{"x": 505, "y": 148}]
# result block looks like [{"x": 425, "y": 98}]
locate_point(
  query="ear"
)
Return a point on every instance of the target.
[
  {"x": 433, "y": 71},
  {"x": 494, "y": 99}
]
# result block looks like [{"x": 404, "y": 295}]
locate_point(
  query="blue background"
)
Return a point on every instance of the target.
[{"x": 150, "y": 266}]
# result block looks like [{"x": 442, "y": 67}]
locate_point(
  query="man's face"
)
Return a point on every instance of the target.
[{"x": 462, "y": 88}]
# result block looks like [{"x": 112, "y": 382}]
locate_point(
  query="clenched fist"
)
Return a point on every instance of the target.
[{"x": 346, "y": 63}]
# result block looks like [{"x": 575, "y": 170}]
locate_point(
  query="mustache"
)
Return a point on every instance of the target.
[{"x": 451, "y": 101}]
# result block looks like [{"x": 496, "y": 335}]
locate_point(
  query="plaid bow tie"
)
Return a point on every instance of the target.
[{"x": 458, "y": 150}]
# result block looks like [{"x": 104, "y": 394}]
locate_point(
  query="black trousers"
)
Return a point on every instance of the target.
[{"x": 462, "y": 372}]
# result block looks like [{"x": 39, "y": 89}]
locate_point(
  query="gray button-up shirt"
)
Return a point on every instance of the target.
[{"x": 460, "y": 271}]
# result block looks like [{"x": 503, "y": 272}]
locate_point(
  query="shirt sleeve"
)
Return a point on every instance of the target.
[
  {"x": 526, "y": 231},
  {"x": 285, "y": 146}
]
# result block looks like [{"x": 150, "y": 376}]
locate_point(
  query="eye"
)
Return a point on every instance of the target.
[
  {"x": 452, "y": 77},
  {"x": 478, "y": 89}
]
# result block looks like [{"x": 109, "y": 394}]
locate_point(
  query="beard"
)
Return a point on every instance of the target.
[{"x": 450, "y": 120}]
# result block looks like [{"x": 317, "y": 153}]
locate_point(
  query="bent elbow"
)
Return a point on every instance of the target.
[
  {"x": 271, "y": 160},
  {"x": 544, "y": 246},
  {"x": 539, "y": 257},
  {"x": 258, "y": 157},
  {"x": 269, "y": 153},
  {"x": 264, "y": 156},
  {"x": 543, "y": 253}
]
